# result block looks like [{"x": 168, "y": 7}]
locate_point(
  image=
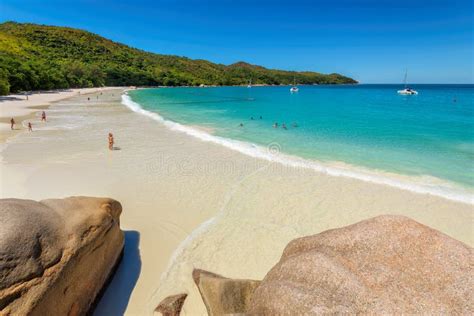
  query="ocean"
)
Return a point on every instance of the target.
[{"x": 365, "y": 131}]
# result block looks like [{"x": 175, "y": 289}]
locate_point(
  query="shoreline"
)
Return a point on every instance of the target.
[
  {"x": 437, "y": 187},
  {"x": 194, "y": 204}
]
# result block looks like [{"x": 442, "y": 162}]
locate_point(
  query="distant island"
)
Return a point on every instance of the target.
[{"x": 39, "y": 57}]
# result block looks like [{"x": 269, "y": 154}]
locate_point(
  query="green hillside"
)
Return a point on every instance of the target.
[{"x": 38, "y": 57}]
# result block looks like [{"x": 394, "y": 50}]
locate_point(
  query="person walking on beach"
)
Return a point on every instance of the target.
[
  {"x": 111, "y": 141},
  {"x": 30, "y": 128},
  {"x": 43, "y": 116},
  {"x": 12, "y": 124}
]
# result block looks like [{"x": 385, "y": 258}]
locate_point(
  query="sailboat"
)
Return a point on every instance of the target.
[
  {"x": 294, "y": 88},
  {"x": 250, "y": 84},
  {"x": 407, "y": 90}
]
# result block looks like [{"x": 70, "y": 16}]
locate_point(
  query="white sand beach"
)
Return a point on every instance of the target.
[{"x": 188, "y": 203}]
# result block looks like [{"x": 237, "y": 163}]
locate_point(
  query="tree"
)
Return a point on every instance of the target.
[{"x": 4, "y": 85}]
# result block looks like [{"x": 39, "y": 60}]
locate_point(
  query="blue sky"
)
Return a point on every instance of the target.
[{"x": 372, "y": 41}]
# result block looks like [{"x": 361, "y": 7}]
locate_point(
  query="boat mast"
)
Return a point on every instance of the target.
[{"x": 405, "y": 81}]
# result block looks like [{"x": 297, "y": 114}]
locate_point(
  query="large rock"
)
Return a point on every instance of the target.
[
  {"x": 56, "y": 255},
  {"x": 384, "y": 265},
  {"x": 224, "y": 296}
]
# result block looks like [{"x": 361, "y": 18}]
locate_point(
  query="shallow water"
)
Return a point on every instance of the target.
[{"x": 430, "y": 135}]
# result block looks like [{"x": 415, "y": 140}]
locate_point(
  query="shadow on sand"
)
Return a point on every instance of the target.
[
  {"x": 115, "y": 298},
  {"x": 9, "y": 98},
  {"x": 22, "y": 95}
]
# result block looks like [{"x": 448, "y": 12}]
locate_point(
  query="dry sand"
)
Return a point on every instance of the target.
[{"x": 193, "y": 204}]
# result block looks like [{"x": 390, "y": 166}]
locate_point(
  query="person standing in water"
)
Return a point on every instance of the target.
[
  {"x": 111, "y": 141},
  {"x": 43, "y": 116},
  {"x": 30, "y": 128},
  {"x": 12, "y": 124}
]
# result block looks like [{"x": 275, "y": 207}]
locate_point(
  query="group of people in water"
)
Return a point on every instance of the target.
[
  {"x": 283, "y": 125},
  {"x": 30, "y": 126},
  {"x": 275, "y": 125}
]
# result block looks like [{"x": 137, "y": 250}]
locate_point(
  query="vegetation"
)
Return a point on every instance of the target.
[{"x": 38, "y": 57}]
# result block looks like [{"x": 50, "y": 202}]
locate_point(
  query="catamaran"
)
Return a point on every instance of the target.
[
  {"x": 294, "y": 88},
  {"x": 407, "y": 90}
]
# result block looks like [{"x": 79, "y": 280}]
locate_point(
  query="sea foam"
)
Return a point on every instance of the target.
[{"x": 273, "y": 154}]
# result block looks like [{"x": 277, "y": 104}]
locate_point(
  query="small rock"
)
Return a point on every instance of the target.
[
  {"x": 171, "y": 306},
  {"x": 223, "y": 295}
]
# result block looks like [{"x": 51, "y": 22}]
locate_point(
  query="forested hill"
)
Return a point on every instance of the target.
[{"x": 38, "y": 57}]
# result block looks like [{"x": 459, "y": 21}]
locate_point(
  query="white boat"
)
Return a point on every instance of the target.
[
  {"x": 250, "y": 84},
  {"x": 407, "y": 90},
  {"x": 294, "y": 88}
]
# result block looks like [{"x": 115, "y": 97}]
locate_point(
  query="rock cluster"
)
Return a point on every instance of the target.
[{"x": 384, "y": 265}]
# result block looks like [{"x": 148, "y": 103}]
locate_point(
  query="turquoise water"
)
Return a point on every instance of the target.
[{"x": 430, "y": 134}]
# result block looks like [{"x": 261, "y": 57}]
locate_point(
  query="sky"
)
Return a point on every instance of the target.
[{"x": 373, "y": 41}]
